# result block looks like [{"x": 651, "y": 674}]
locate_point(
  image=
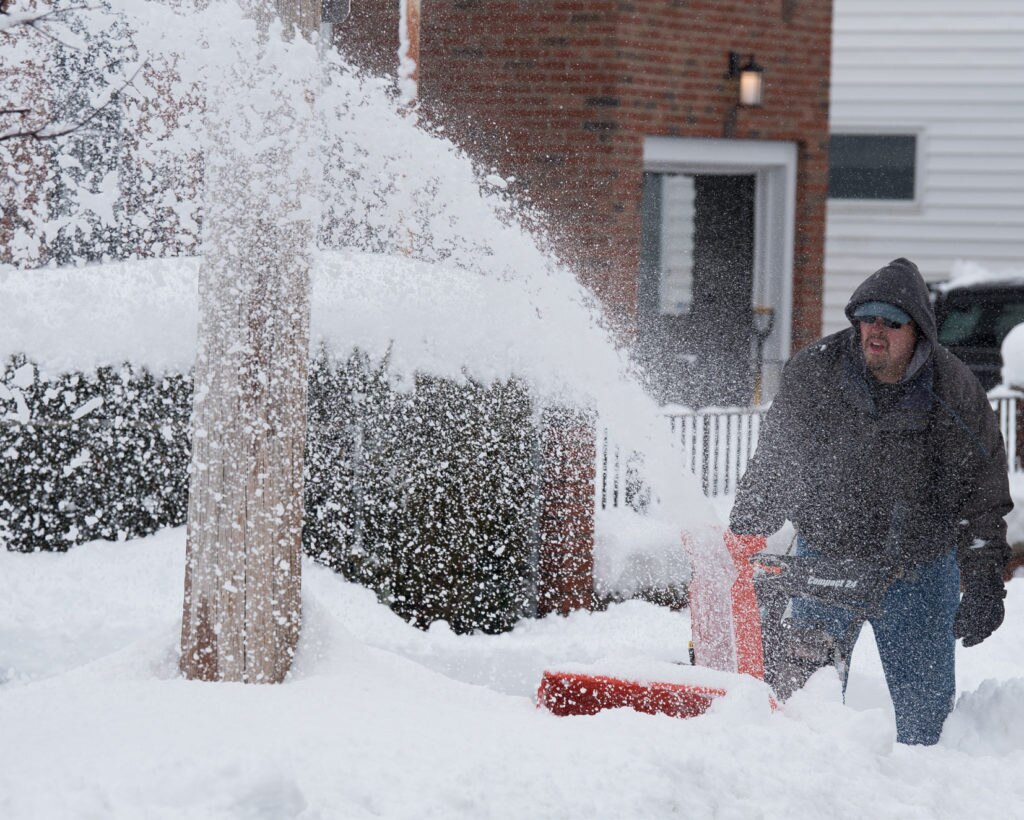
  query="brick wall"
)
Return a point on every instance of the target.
[
  {"x": 369, "y": 36},
  {"x": 532, "y": 88},
  {"x": 565, "y": 554},
  {"x": 561, "y": 93}
]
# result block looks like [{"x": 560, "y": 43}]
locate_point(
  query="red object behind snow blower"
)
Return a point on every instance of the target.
[
  {"x": 568, "y": 693},
  {"x": 737, "y": 650}
]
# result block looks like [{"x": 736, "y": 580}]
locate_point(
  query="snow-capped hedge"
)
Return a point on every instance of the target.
[
  {"x": 428, "y": 495},
  {"x": 428, "y": 318}
]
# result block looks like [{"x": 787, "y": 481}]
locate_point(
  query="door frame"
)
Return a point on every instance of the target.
[{"x": 773, "y": 165}]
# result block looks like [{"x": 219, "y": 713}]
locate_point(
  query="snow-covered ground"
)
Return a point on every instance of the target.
[
  {"x": 382, "y": 720},
  {"x": 379, "y": 719}
]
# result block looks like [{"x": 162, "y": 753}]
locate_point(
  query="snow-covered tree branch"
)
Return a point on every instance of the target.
[{"x": 32, "y": 19}]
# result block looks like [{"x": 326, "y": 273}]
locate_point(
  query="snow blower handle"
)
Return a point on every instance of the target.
[
  {"x": 851, "y": 584},
  {"x": 795, "y": 649}
]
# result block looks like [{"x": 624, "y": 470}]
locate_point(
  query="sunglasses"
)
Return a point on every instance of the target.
[{"x": 892, "y": 324}]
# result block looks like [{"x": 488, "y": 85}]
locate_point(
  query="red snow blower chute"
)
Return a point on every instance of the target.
[{"x": 735, "y": 639}]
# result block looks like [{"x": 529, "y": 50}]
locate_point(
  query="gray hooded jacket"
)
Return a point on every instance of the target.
[{"x": 903, "y": 474}]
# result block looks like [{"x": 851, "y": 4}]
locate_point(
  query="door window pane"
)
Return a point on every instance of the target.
[{"x": 677, "y": 213}]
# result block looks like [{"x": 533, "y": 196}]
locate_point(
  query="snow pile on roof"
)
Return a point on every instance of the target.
[
  {"x": 966, "y": 274},
  {"x": 382, "y": 720}
]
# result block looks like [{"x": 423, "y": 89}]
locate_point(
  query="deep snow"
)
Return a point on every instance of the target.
[{"x": 382, "y": 720}]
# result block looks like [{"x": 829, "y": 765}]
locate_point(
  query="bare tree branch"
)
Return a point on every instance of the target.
[
  {"x": 9, "y": 19},
  {"x": 50, "y": 131}
]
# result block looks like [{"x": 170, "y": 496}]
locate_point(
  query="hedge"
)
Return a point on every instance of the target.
[{"x": 428, "y": 495}]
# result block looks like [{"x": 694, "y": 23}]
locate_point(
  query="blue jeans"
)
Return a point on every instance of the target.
[{"x": 914, "y": 633}]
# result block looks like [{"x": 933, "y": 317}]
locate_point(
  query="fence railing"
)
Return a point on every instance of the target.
[
  {"x": 717, "y": 444},
  {"x": 1009, "y": 407}
]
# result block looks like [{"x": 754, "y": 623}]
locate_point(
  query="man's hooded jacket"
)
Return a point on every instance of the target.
[{"x": 900, "y": 473}]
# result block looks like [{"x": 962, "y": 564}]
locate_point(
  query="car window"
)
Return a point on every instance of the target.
[
  {"x": 960, "y": 324},
  {"x": 980, "y": 324},
  {"x": 1009, "y": 317}
]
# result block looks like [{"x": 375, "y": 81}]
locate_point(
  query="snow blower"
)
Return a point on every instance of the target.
[{"x": 741, "y": 633}]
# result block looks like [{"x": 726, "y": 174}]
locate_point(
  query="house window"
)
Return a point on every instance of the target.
[{"x": 872, "y": 166}]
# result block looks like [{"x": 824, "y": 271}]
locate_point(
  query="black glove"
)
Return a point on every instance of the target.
[{"x": 981, "y": 608}]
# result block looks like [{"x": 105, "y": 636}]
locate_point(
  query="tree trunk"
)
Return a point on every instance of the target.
[{"x": 242, "y": 609}]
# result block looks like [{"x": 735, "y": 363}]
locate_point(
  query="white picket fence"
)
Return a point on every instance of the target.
[
  {"x": 1009, "y": 404},
  {"x": 717, "y": 444}
]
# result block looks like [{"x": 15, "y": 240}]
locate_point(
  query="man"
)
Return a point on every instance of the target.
[{"x": 881, "y": 446}]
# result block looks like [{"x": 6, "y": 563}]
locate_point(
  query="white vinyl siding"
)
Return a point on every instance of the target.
[{"x": 952, "y": 73}]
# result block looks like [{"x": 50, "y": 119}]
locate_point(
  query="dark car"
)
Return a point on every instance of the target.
[{"x": 975, "y": 318}]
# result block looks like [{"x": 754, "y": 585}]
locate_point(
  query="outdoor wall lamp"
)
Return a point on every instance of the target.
[{"x": 751, "y": 77}]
